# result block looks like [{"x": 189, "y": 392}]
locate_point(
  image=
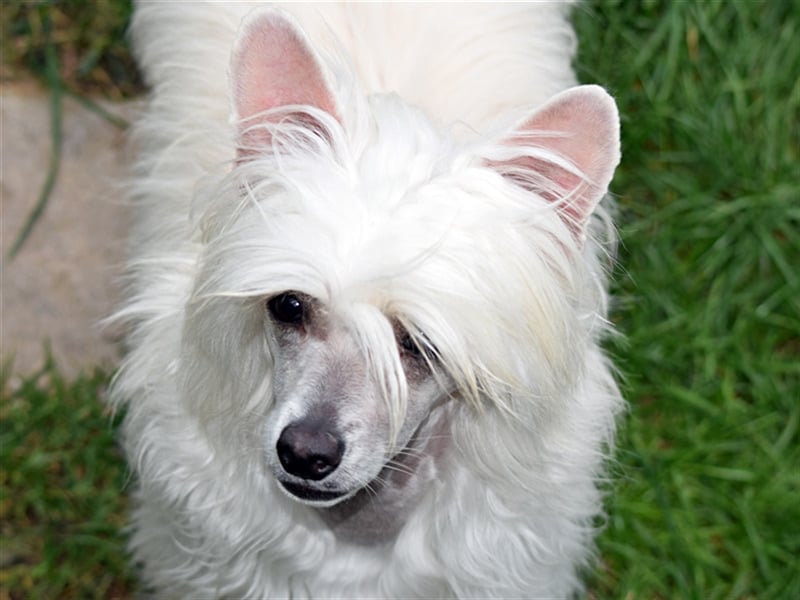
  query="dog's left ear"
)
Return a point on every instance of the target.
[
  {"x": 566, "y": 152},
  {"x": 273, "y": 66}
]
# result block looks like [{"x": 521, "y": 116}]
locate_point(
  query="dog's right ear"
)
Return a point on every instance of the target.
[
  {"x": 572, "y": 145},
  {"x": 273, "y": 66}
]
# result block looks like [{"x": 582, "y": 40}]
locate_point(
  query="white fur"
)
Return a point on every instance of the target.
[{"x": 417, "y": 210}]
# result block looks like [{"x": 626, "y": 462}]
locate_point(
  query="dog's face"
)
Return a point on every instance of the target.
[
  {"x": 330, "y": 431},
  {"x": 360, "y": 268}
]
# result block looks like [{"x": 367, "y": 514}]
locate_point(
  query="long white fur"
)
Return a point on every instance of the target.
[{"x": 480, "y": 265}]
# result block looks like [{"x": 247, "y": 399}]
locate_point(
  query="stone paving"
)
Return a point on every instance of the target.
[{"x": 65, "y": 278}]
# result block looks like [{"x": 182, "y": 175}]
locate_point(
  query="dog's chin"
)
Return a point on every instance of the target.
[{"x": 314, "y": 497}]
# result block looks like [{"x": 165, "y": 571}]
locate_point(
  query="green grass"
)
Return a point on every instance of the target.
[
  {"x": 706, "y": 497},
  {"x": 62, "y": 507},
  {"x": 88, "y": 37},
  {"x": 707, "y": 504}
]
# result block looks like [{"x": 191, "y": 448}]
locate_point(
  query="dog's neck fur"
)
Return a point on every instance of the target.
[{"x": 377, "y": 513}]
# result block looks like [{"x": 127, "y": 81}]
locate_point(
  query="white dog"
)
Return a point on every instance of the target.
[{"x": 366, "y": 302}]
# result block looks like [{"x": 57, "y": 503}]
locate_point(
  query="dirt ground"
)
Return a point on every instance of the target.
[{"x": 65, "y": 279}]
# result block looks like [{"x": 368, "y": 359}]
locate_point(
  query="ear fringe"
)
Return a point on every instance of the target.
[
  {"x": 287, "y": 128},
  {"x": 532, "y": 168}
]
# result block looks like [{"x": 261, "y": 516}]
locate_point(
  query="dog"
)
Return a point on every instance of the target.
[{"x": 366, "y": 300}]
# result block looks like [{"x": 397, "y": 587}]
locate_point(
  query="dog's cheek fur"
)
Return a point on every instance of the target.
[{"x": 225, "y": 373}]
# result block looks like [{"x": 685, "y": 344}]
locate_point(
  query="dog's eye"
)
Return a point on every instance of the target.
[
  {"x": 409, "y": 346},
  {"x": 417, "y": 348},
  {"x": 286, "y": 308}
]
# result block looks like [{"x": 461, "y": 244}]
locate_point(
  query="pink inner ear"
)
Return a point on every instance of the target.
[
  {"x": 580, "y": 125},
  {"x": 273, "y": 66}
]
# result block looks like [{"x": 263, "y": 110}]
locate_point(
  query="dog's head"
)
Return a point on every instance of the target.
[{"x": 360, "y": 268}]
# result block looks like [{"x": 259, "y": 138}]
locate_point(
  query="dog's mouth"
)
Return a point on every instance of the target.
[{"x": 313, "y": 495}]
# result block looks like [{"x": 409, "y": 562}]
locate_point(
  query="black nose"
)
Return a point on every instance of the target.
[{"x": 308, "y": 450}]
